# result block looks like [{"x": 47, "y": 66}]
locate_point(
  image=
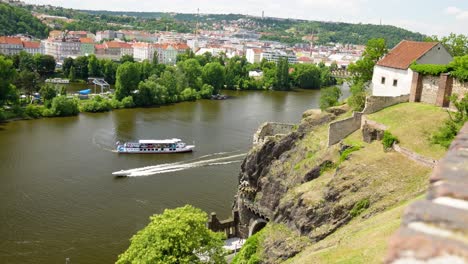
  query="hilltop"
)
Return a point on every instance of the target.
[
  {"x": 291, "y": 31},
  {"x": 16, "y": 20}
]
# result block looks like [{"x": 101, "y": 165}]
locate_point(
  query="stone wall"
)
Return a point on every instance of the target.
[
  {"x": 459, "y": 88},
  {"x": 435, "y": 230},
  {"x": 271, "y": 129},
  {"x": 430, "y": 86},
  {"x": 343, "y": 128},
  {"x": 377, "y": 103},
  {"x": 415, "y": 157},
  {"x": 436, "y": 90}
]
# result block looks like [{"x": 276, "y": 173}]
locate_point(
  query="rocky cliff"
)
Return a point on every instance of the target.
[{"x": 296, "y": 181}]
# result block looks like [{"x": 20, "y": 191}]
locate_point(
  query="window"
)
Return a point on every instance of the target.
[
  {"x": 395, "y": 82},
  {"x": 383, "y": 80}
]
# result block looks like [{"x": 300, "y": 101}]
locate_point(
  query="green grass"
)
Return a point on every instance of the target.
[
  {"x": 360, "y": 241},
  {"x": 412, "y": 124}
]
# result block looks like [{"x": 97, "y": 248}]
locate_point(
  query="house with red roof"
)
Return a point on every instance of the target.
[
  {"x": 32, "y": 47},
  {"x": 392, "y": 74},
  {"x": 10, "y": 45}
]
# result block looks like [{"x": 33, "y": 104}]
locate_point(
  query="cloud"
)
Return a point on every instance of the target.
[{"x": 457, "y": 12}]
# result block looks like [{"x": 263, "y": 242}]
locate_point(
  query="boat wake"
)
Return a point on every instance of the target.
[{"x": 180, "y": 166}]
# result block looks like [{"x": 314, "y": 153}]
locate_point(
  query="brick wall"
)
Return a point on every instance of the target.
[
  {"x": 435, "y": 230},
  {"x": 343, "y": 128}
]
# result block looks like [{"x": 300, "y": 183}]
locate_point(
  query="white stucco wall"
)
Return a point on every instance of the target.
[
  {"x": 437, "y": 55},
  {"x": 404, "y": 78}
]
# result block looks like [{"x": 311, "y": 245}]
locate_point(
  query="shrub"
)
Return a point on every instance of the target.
[
  {"x": 430, "y": 69},
  {"x": 357, "y": 100},
  {"x": 449, "y": 130},
  {"x": 63, "y": 106},
  {"x": 2, "y": 115},
  {"x": 206, "y": 91},
  {"x": 97, "y": 104},
  {"x": 249, "y": 252},
  {"x": 360, "y": 207},
  {"x": 115, "y": 104},
  {"x": 345, "y": 154},
  {"x": 127, "y": 102},
  {"x": 329, "y": 97},
  {"x": 189, "y": 94},
  {"x": 34, "y": 111},
  {"x": 388, "y": 140},
  {"x": 460, "y": 68}
]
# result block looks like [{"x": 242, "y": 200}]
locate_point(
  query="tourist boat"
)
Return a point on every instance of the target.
[{"x": 164, "y": 146}]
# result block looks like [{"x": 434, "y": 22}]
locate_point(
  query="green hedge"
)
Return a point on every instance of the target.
[{"x": 430, "y": 69}]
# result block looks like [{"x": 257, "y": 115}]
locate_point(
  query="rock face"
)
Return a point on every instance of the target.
[{"x": 265, "y": 180}]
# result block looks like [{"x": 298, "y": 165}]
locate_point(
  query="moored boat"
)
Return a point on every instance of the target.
[{"x": 164, "y": 146}]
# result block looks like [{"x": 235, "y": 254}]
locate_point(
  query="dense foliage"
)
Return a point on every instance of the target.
[
  {"x": 388, "y": 140},
  {"x": 329, "y": 97},
  {"x": 15, "y": 20},
  {"x": 362, "y": 71},
  {"x": 430, "y": 69},
  {"x": 459, "y": 68},
  {"x": 249, "y": 252},
  {"x": 457, "y": 45},
  {"x": 449, "y": 130},
  {"x": 175, "y": 236}
]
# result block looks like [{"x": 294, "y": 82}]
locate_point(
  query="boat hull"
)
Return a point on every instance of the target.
[{"x": 166, "y": 151}]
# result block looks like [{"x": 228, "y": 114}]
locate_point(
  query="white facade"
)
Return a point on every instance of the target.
[
  {"x": 275, "y": 55},
  {"x": 62, "y": 49},
  {"x": 253, "y": 55},
  {"x": 391, "y": 82}
]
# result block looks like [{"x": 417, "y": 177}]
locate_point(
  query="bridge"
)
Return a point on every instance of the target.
[
  {"x": 99, "y": 82},
  {"x": 341, "y": 74}
]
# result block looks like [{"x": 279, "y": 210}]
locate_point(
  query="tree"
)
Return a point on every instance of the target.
[
  {"x": 214, "y": 75},
  {"x": 127, "y": 58},
  {"x": 109, "y": 70},
  {"x": 329, "y": 97},
  {"x": 45, "y": 64},
  {"x": 94, "y": 68},
  {"x": 363, "y": 69},
  {"x": 457, "y": 45},
  {"x": 81, "y": 67},
  {"x": 176, "y": 236},
  {"x": 127, "y": 79},
  {"x": 168, "y": 80},
  {"x": 27, "y": 81},
  {"x": 192, "y": 71},
  {"x": 72, "y": 74},
  {"x": 282, "y": 75},
  {"x": 48, "y": 92},
  {"x": 7, "y": 75},
  {"x": 66, "y": 65},
  {"x": 307, "y": 76}
]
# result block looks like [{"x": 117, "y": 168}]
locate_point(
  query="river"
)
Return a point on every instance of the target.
[{"x": 59, "y": 200}]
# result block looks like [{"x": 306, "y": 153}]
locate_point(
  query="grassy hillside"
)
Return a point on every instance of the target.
[
  {"x": 15, "y": 20},
  {"x": 355, "y": 205},
  {"x": 412, "y": 124}
]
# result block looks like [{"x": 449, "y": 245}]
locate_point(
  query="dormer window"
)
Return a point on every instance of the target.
[{"x": 383, "y": 80}]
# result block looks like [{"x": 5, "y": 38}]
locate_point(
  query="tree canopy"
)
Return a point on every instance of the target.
[{"x": 176, "y": 236}]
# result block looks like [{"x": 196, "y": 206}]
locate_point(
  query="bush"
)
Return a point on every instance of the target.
[
  {"x": 449, "y": 130},
  {"x": 329, "y": 97},
  {"x": 388, "y": 140},
  {"x": 357, "y": 100},
  {"x": 360, "y": 207},
  {"x": 115, "y": 104},
  {"x": 460, "y": 68},
  {"x": 2, "y": 115},
  {"x": 189, "y": 94},
  {"x": 63, "y": 106},
  {"x": 345, "y": 154},
  {"x": 127, "y": 102},
  {"x": 97, "y": 104},
  {"x": 34, "y": 111},
  {"x": 206, "y": 91},
  {"x": 249, "y": 252},
  {"x": 430, "y": 69}
]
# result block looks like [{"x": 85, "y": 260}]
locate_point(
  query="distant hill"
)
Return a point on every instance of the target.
[
  {"x": 290, "y": 31},
  {"x": 15, "y": 20}
]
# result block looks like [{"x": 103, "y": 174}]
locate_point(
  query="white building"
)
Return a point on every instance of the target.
[
  {"x": 143, "y": 51},
  {"x": 10, "y": 45},
  {"x": 275, "y": 55},
  {"x": 32, "y": 48},
  {"x": 62, "y": 48},
  {"x": 392, "y": 74},
  {"x": 253, "y": 55}
]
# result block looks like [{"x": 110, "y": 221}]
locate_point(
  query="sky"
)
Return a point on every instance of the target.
[{"x": 429, "y": 17}]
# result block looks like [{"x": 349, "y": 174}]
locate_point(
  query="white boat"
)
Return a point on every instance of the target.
[{"x": 165, "y": 146}]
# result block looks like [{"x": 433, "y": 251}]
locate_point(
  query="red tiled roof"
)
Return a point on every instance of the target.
[
  {"x": 112, "y": 45},
  {"x": 86, "y": 40},
  {"x": 99, "y": 46},
  {"x": 31, "y": 45},
  {"x": 405, "y": 53},
  {"x": 11, "y": 41},
  {"x": 304, "y": 59}
]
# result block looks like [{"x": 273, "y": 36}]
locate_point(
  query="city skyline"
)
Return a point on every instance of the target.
[{"x": 427, "y": 17}]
